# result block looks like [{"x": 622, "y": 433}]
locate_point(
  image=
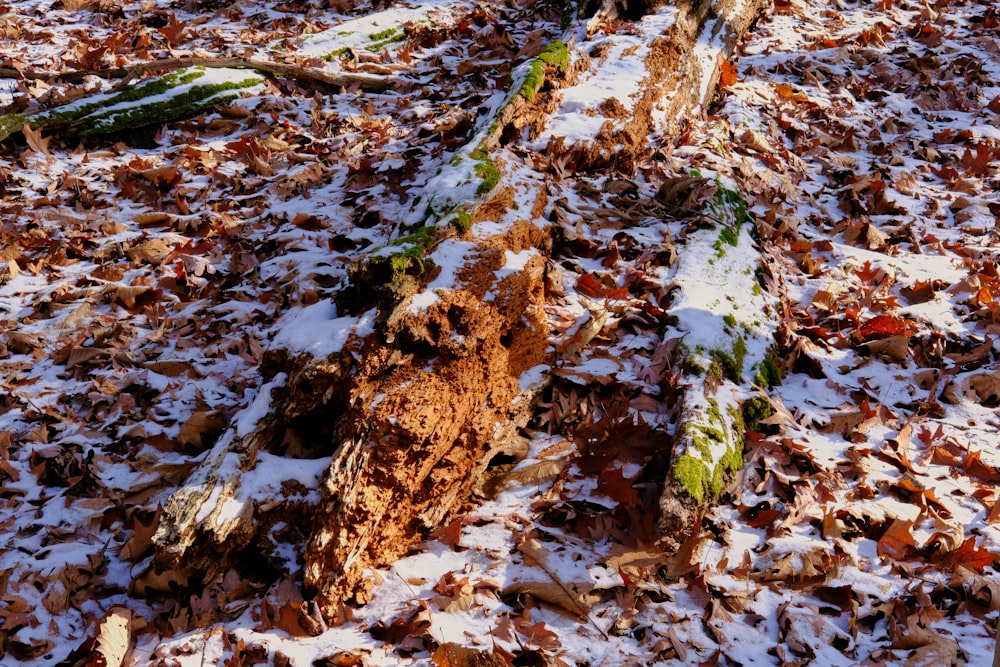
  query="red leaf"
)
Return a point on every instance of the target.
[
  {"x": 970, "y": 556},
  {"x": 592, "y": 287},
  {"x": 884, "y": 326},
  {"x": 616, "y": 486}
]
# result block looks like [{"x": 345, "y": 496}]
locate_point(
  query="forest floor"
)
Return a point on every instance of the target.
[{"x": 145, "y": 275}]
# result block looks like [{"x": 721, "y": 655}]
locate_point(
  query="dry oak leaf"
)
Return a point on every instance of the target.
[
  {"x": 114, "y": 638},
  {"x": 897, "y": 542},
  {"x": 151, "y": 250},
  {"x": 141, "y": 539},
  {"x": 35, "y": 140}
]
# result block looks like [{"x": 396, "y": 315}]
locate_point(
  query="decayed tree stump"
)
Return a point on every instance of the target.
[{"x": 436, "y": 395}]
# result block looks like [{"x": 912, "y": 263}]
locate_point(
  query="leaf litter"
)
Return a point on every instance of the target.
[{"x": 145, "y": 277}]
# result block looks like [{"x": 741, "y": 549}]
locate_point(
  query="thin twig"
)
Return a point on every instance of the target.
[{"x": 371, "y": 83}]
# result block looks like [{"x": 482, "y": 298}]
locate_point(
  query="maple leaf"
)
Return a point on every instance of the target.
[
  {"x": 979, "y": 159},
  {"x": 869, "y": 274},
  {"x": 174, "y": 30}
]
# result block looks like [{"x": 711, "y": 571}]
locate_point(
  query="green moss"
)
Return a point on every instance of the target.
[
  {"x": 463, "y": 220},
  {"x": 12, "y": 123},
  {"x": 755, "y": 409},
  {"x": 422, "y": 236},
  {"x": 413, "y": 247},
  {"x": 691, "y": 475},
  {"x": 128, "y": 108},
  {"x": 729, "y": 236},
  {"x": 555, "y": 54},
  {"x": 384, "y": 34},
  {"x": 730, "y": 320},
  {"x": 718, "y": 480},
  {"x": 692, "y": 366},
  {"x": 385, "y": 37},
  {"x": 342, "y": 51},
  {"x": 767, "y": 373},
  {"x": 732, "y": 362},
  {"x": 486, "y": 170},
  {"x": 533, "y": 81}
]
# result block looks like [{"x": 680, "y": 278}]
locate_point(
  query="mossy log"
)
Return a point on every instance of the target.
[
  {"x": 723, "y": 353},
  {"x": 181, "y": 93}
]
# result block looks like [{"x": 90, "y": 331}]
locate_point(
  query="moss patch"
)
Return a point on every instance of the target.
[
  {"x": 554, "y": 55},
  {"x": 767, "y": 373},
  {"x": 485, "y": 169},
  {"x": 131, "y": 108},
  {"x": 756, "y": 409},
  {"x": 412, "y": 249},
  {"x": 731, "y": 362},
  {"x": 691, "y": 475}
]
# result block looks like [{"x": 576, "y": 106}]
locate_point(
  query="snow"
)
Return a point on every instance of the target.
[
  {"x": 314, "y": 329},
  {"x": 193, "y": 345}
]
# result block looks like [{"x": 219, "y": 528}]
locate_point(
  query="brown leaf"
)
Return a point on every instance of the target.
[
  {"x": 454, "y": 655},
  {"x": 114, "y": 638},
  {"x": 174, "y": 30},
  {"x": 198, "y": 425},
  {"x": 141, "y": 539},
  {"x": 150, "y": 250},
  {"x": 35, "y": 140},
  {"x": 897, "y": 542},
  {"x": 893, "y": 348}
]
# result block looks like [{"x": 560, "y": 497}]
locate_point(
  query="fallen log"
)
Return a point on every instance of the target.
[
  {"x": 372, "y": 83},
  {"x": 448, "y": 372},
  {"x": 439, "y": 386}
]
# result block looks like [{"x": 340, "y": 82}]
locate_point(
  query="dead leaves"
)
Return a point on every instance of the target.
[
  {"x": 35, "y": 140},
  {"x": 114, "y": 639}
]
